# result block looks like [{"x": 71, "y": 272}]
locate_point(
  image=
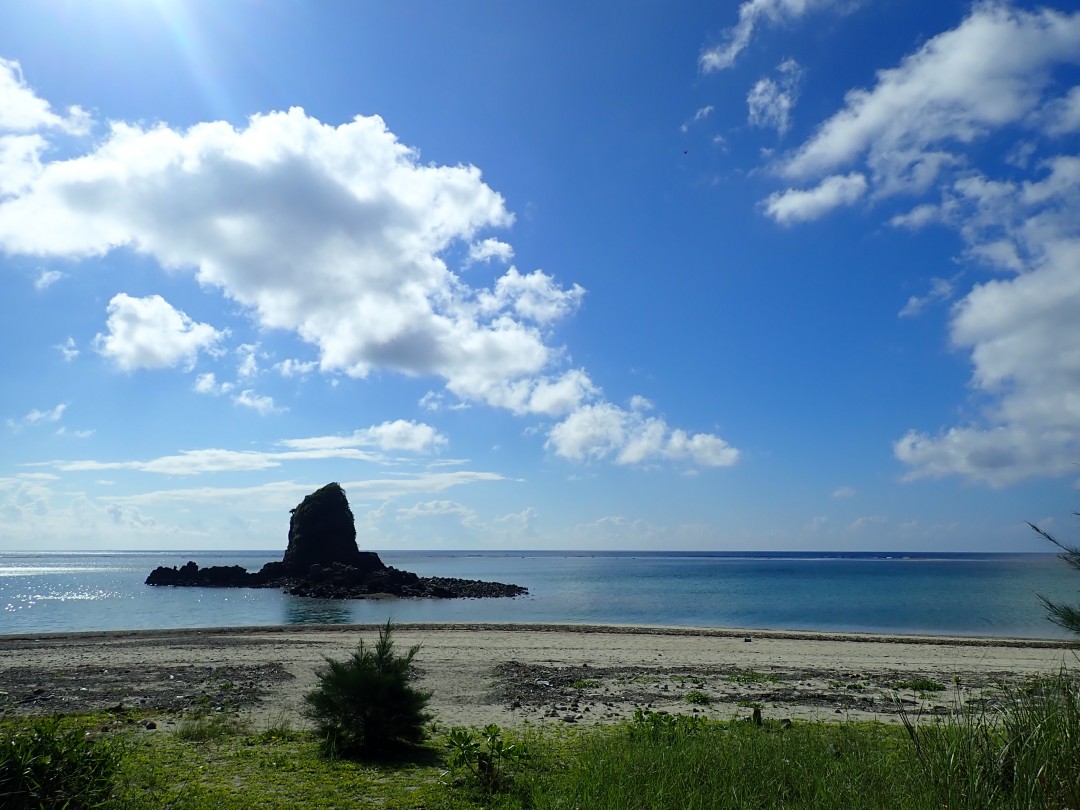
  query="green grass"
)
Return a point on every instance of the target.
[
  {"x": 201, "y": 726},
  {"x": 697, "y": 698},
  {"x": 919, "y": 685},
  {"x": 749, "y": 676},
  {"x": 710, "y": 764},
  {"x": 588, "y": 683},
  {"x": 1018, "y": 751}
]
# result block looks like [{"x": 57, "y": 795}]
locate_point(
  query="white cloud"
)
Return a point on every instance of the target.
[
  {"x": 700, "y": 115},
  {"x": 212, "y": 460},
  {"x": 941, "y": 289},
  {"x": 150, "y": 333},
  {"x": 279, "y": 495},
  {"x": 604, "y": 430},
  {"x": 261, "y": 403},
  {"x": 36, "y": 417},
  {"x": 841, "y": 493},
  {"x": 68, "y": 349},
  {"x": 440, "y": 508},
  {"x": 534, "y": 296},
  {"x": 994, "y": 75},
  {"x": 918, "y": 217},
  {"x": 295, "y": 368},
  {"x": 1020, "y": 332},
  {"x": 1063, "y": 116},
  {"x": 488, "y": 249},
  {"x": 992, "y": 70},
  {"x": 22, "y": 110},
  {"x": 248, "y": 365},
  {"x": 753, "y": 13},
  {"x": 46, "y": 278},
  {"x": 336, "y": 233},
  {"x": 207, "y": 384},
  {"x": 802, "y": 205},
  {"x": 414, "y": 437},
  {"x": 771, "y": 101}
]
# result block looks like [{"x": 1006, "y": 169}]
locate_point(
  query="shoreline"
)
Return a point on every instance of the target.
[
  {"x": 562, "y": 627},
  {"x": 515, "y": 674}
]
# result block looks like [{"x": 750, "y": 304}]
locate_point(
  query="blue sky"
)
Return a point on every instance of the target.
[{"x": 784, "y": 274}]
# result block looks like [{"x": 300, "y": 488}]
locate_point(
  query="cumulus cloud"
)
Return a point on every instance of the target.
[
  {"x": 752, "y": 14},
  {"x": 606, "y": 431},
  {"x": 150, "y": 333},
  {"x": 771, "y": 101},
  {"x": 336, "y": 233},
  {"x": 1063, "y": 115},
  {"x": 803, "y": 205},
  {"x": 1020, "y": 332},
  {"x": 257, "y": 402},
  {"x": 295, "y": 368},
  {"x": 490, "y": 248},
  {"x": 22, "y": 110}
]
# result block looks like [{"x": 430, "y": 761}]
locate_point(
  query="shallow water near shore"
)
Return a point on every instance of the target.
[{"x": 990, "y": 595}]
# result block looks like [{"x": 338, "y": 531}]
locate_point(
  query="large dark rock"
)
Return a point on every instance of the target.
[
  {"x": 322, "y": 560},
  {"x": 322, "y": 532}
]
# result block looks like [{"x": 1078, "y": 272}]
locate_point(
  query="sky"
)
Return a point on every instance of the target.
[{"x": 770, "y": 275}]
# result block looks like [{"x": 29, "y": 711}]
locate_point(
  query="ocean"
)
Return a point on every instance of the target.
[{"x": 939, "y": 594}]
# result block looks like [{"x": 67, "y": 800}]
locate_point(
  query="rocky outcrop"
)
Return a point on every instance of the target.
[{"x": 322, "y": 560}]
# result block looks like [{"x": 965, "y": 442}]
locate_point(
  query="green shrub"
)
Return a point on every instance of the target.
[
  {"x": 487, "y": 762},
  {"x": 365, "y": 706},
  {"x": 45, "y": 764},
  {"x": 697, "y": 697},
  {"x": 919, "y": 685}
]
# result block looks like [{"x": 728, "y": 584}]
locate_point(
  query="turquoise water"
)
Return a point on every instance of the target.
[{"x": 940, "y": 594}]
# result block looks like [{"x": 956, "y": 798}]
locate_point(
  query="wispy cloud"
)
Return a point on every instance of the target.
[
  {"x": 753, "y": 14},
  {"x": 37, "y": 417}
]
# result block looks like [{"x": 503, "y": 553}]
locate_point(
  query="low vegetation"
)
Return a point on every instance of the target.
[
  {"x": 366, "y": 705},
  {"x": 48, "y": 762},
  {"x": 1018, "y": 751}
]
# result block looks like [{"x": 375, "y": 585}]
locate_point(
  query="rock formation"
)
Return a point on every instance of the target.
[{"x": 322, "y": 560}]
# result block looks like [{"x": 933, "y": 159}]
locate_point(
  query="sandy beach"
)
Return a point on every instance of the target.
[{"x": 516, "y": 674}]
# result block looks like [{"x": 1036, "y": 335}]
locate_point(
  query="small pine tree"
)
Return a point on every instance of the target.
[
  {"x": 1067, "y": 616},
  {"x": 365, "y": 706}
]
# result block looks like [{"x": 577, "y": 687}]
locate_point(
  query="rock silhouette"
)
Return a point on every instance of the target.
[{"x": 322, "y": 560}]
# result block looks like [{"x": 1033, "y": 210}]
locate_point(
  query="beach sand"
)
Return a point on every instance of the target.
[{"x": 516, "y": 674}]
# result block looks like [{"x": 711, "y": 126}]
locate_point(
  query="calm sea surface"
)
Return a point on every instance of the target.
[{"x": 941, "y": 594}]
